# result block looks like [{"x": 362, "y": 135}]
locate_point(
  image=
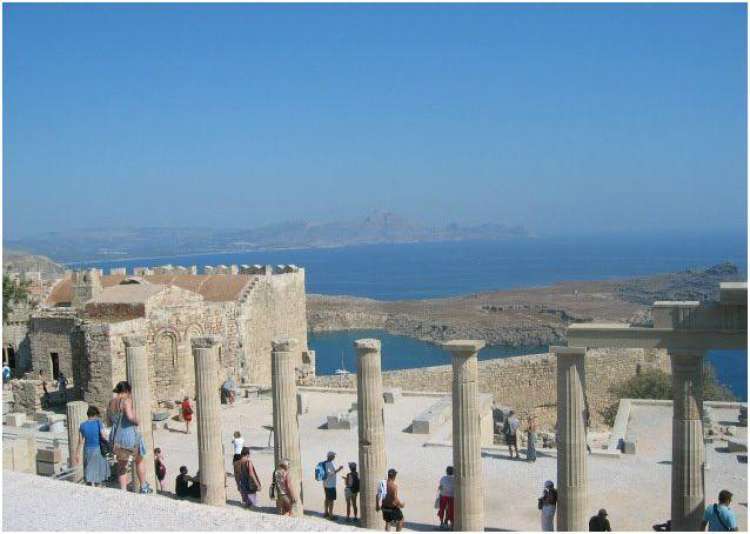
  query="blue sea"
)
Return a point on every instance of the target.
[{"x": 431, "y": 270}]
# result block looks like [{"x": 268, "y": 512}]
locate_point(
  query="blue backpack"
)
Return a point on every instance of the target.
[{"x": 320, "y": 471}]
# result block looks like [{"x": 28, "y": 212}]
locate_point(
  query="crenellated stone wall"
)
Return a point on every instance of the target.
[{"x": 528, "y": 384}]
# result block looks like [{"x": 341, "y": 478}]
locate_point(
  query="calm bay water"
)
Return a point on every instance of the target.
[
  {"x": 398, "y": 352},
  {"x": 431, "y": 270}
]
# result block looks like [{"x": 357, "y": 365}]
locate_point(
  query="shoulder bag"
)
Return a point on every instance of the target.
[{"x": 104, "y": 445}]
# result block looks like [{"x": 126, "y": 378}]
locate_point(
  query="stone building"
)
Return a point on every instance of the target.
[{"x": 80, "y": 326}]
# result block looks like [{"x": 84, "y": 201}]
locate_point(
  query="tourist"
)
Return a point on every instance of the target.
[
  {"x": 6, "y": 373},
  {"x": 392, "y": 505},
  {"x": 587, "y": 427},
  {"x": 125, "y": 438},
  {"x": 445, "y": 504},
  {"x": 62, "y": 387},
  {"x": 237, "y": 443},
  {"x": 351, "y": 491},
  {"x": 329, "y": 485},
  {"x": 186, "y": 410},
  {"x": 228, "y": 391},
  {"x": 45, "y": 398},
  {"x": 186, "y": 486},
  {"x": 548, "y": 505},
  {"x": 719, "y": 517},
  {"x": 282, "y": 490},
  {"x": 160, "y": 468},
  {"x": 531, "y": 440},
  {"x": 95, "y": 465},
  {"x": 599, "y": 522},
  {"x": 248, "y": 483},
  {"x": 511, "y": 436}
]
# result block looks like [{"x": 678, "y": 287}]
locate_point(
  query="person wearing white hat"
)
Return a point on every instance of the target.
[
  {"x": 329, "y": 484},
  {"x": 548, "y": 506}
]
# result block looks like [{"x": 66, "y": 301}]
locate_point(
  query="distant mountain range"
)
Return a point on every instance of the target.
[{"x": 380, "y": 227}]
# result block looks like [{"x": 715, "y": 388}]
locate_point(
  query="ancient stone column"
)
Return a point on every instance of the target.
[
  {"x": 572, "y": 476},
  {"x": 688, "y": 499},
  {"x": 372, "y": 459},
  {"x": 207, "y": 412},
  {"x": 76, "y": 412},
  {"x": 286, "y": 444},
  {"x": 467, "y": 437},
  {"x": 136, "y": 363}
]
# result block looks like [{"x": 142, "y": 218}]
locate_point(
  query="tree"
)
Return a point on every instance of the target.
[
  {"x": 656, "y": 384},
  {"x": 13, "y": 293}
]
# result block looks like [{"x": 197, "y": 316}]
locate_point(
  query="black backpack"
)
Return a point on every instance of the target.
[{"x": 355, "y": 482}]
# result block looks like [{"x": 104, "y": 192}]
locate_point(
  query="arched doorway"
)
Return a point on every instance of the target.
[{"x": 165, "y": 366}]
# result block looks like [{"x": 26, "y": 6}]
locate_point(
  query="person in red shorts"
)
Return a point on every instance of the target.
[
  {"x": 187, "y": 413},
  {"x": 445, "y": 489}
]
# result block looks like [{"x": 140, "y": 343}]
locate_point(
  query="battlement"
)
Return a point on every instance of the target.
[{"x": 256, "y": 269}]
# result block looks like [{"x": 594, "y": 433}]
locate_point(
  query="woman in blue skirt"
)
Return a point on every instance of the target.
[
  {"x": 125, "y": 438},
  {"x": 95, "y": 466}
]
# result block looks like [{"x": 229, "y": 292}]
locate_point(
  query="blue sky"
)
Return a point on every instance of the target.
[{"x": 563, "y": 118}]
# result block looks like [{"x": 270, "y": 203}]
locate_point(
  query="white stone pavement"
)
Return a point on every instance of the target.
[{"x": 633, "y": 488}]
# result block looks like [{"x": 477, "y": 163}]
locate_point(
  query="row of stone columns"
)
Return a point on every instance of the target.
[
  {"x": 688, "y": 498},
  {"x": 687, "y": 439}
]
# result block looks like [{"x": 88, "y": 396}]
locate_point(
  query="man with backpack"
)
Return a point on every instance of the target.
[
  {"x": 719, "y": 517},
  {"x": 326, "y": 472},
  {"x": 351, "y": 491}
]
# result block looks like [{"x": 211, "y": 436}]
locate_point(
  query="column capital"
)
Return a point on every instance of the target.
[
  {"x": 283, "y": 344},
  {"x": 367, "y": 345},
  {"x": 205, "y": 342},
  {"x": 134, "y": 341},
  {"x": 464, "y": 347},
  {"x": 560, "y": 350}
]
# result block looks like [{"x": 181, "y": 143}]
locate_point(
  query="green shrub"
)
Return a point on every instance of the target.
[{"x": 656, "y": 384}]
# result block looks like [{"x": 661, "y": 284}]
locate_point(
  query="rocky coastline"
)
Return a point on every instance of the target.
[{"x": 518, "y": 317}]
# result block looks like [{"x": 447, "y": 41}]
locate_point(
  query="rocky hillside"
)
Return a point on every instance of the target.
[
  {"x": 535, "y": 316},
  {"x": 20, "y": 262}
]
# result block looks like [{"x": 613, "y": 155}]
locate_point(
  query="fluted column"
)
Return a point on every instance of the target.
[
  {"x": 207, "y": 403},
  {"x": 136, "y": 363},
  {"x": 372, "y": 460},
  {"x": 285, "y": 423},
  {"x": 467, "y": 437},
  {"x": 572, "y": 476},
  {"x": 76, "y": 412},
  {"x": 688, "y": 499}
]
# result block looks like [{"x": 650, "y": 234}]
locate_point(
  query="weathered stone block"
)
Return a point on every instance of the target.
[
  {"x": 391, "y": 395},
  {"x": 42, "y": 416},
  {"x": 49, "y": 455},
  {"x": 48, "y": 469},
  {"x": 735, "y": 445},
  {"x": 57, "y": 427},
  {"x": 434, "y": 416},
  {"x": 629, "y": 446},
  {"x": 340, "y": 421},
  {"x": 15, "y": 419}
]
